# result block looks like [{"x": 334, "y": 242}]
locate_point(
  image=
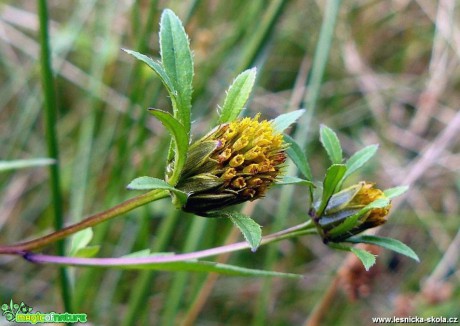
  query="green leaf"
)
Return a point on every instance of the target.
[
  {"x": 281, "y": 122},
  {"x": 87, "y": 252},
  {"x": 178, "y": 64},
  {"x": 366, "y": 257},
  {"x": 289, "y": 180},
  {"x": 158, "y": 69},
  {"x": 333, "y": 177},
  {"x": 387, "y": 243},
  {"x": 140, "y": 253},
  {"x": 20, "y": 164},
  {"x": 80, "y": 240},
  {"x": 208, "y": 267},
  {"x": 252, "y": 231},
  {"x": 396, "y": 191},
  {"x": 149, "y": 183},
  {"x": 298, "y": 157},
  {"x": 181, "y": 141},
  {"x": 237, "y": 95},
  {"x": 357, "y": 160},
  {"x": 351, "y": 221},
  {"x": 331, "y": 144}
]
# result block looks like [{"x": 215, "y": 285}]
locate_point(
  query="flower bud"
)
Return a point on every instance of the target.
[
  {"x": 234, "y": 163},
  {"x": 352, "y": 211}
]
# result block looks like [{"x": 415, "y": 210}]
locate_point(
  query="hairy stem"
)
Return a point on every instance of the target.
[{"x": 124, "y": 207}]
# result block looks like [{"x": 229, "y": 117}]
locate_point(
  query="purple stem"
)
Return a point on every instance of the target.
[{"x": 40, "y": 258}]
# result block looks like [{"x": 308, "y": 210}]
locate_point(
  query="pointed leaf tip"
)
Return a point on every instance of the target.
[
  {"x": 237, "y": 95},
  {"x": 331, "y": 144},
  {"x": 283, "y": 121}
]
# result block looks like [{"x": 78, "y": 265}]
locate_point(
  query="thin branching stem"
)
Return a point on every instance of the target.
[
  {"x": 124, "y": 207},
  {"x": 296, "y": 231}
]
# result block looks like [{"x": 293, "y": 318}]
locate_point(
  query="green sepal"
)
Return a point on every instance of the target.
[
  {"x": 333, "y": 178},
  {"x": 342, "y": 198},
  {"x": 197, "y": 157},
  {"x": 200, "y": 183},
  {"x": 354, "y": 220}
]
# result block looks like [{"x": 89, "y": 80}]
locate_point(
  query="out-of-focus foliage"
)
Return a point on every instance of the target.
[{"x": 392, "y": 78}]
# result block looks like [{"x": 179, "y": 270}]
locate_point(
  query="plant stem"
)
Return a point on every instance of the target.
[
  {"x": 93, "y": 220},
  {"x": 52, "y": 143},
  {"x": 301, "y": 229}
]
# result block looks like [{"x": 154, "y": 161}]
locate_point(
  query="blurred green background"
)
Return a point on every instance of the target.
[{"x": 392, "y": 77}]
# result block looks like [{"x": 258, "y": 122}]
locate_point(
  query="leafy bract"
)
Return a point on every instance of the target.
[
  {"x": 177, "y": 62},
  {"x": 333, "y": 177},
  {"x": 149, "y": 183},
  {"x": 298, "y": 157},
  {"x": 290, "y": 180},
  {"x": 237, "y": 95},
  {"x": 331, "y": 144},
  {"x": 366, "y": 257},
  {"x": 395, "y": 192},
  {"x": 181, "y": 141},
  {"x": 387, "y": 243},
  {"x": 281, "y": 122},
  {"x": 358, "y": 159},
  {"x": 351, "y": 221}
]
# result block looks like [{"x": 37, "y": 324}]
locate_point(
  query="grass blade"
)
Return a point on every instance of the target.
[
  {"x": 52, "y": 143},
  {"x": 21, "y": 164}
]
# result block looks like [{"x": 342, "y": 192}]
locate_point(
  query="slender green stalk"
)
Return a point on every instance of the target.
[
  {"x": 301, "y": 136},
  {"x": 51, "y": 137},
  {"x": 93, "y": 220},
  {"x": 261, "y": 34}
]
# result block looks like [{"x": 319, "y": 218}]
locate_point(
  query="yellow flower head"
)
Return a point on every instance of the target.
[
  {"x": 234, "y": 163},
  {"x": 366, "y": 195},
  {"x": 349, "y": 203}
]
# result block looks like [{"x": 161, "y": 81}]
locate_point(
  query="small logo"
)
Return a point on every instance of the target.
[{"x": 22, "y": 313}]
